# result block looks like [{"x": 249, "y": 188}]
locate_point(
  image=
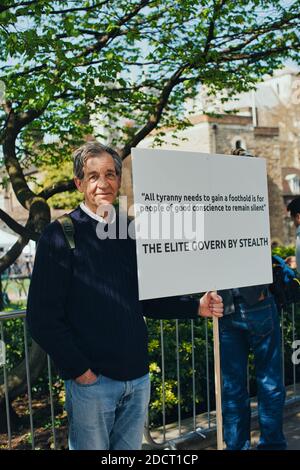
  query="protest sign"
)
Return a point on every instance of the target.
[{"x": 202, "y": 222}]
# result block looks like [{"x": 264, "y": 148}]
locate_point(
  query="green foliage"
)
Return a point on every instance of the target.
[
  {"x": 185, "y": 367},
  {"x": 131, "y": 61},
  {"x": 185, "y": 354},
  {"x": 15, "y": 352},
  {"x": 284, "y": 251},
  {"x": 14, "y": 336}
]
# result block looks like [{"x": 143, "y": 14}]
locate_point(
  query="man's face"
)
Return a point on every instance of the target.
[
  {"x": 296, "y": 220},
  {"x": 100, "y": 183}
]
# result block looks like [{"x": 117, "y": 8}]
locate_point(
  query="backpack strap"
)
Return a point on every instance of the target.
[{"x": 68, "y": 229}]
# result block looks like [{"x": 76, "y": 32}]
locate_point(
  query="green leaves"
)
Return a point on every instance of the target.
[{"x": 116, "y": 63}]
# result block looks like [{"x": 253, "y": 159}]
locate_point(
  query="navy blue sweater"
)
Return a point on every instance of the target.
[{"x": 83, "y": 307}]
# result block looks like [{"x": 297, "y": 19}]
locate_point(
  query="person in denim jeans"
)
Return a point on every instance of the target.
[
  {"x": 242, "y": 329},
  {"x": 94, "y": 409},
  {"x": 251, "y": 323}
]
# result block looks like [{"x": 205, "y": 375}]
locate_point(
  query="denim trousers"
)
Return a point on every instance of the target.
[
  {"x": 107, "y": 414},
  {"x": 255, "y": 329}
]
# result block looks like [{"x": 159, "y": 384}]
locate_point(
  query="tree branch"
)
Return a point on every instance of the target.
[
  {"x": 156, "y": 115},
  {"x": 101, "y": 42},
  {"x": 165, "y": 94},
  {"x": 8, "y": 110},
  {"x": 217, "y": 8},
  {"x": 16, "y": 5},
  {"x": 72, "y": 10},
  {"x": 15, "y": 172},
  {"x": 255, "y": 33},
  {"x": 18, "y": 228},
  {"x": 13, "y": 253},
  {"x": 115, "y": 31},
  {"x": 258, "y": 55},
  {"x": 29, "y": 71},
  {"x": 57, "y": 188}
]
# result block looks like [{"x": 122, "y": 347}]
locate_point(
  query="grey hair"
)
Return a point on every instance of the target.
[{"x": 93, "y": 149}]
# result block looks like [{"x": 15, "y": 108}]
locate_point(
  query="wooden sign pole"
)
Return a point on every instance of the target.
[{"x": 218, "y": 383}]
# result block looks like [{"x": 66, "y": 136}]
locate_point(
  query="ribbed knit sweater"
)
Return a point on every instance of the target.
[{"x": 83, "y": 307}]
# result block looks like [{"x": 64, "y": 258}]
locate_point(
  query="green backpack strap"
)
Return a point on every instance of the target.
[{"x": 68, "y": 229}]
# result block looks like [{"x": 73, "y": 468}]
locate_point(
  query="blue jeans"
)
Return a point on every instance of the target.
[
  {"x": 257, "y": 329},
  {"x": 108, "y": 414}
]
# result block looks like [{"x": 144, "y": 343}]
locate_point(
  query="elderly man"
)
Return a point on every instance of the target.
[
  {"x": 84, "y": 311},
  {"x": 294, "y": 210}
]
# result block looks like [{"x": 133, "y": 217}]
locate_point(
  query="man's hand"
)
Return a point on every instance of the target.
[
  {"x": 87, "y": 378},
  {"x": 291, "y": 262},
  {"x": 211, "y": 304}
]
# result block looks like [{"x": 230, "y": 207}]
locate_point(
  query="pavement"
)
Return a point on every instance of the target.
[{"x": 291, "y": 428}]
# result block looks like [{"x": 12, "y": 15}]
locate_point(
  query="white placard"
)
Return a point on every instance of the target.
[{"x": 219, "y": 203}]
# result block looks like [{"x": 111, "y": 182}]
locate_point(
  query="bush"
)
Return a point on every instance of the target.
[
  {"x": 284, "y": 251},
  {"x": 186, "y": 369},
  {"x": 15, "y": 352},
  {"x": 14, "y": 336}
]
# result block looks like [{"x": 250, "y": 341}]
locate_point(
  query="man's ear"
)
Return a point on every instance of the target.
[{"x": 79, "y": 184}]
